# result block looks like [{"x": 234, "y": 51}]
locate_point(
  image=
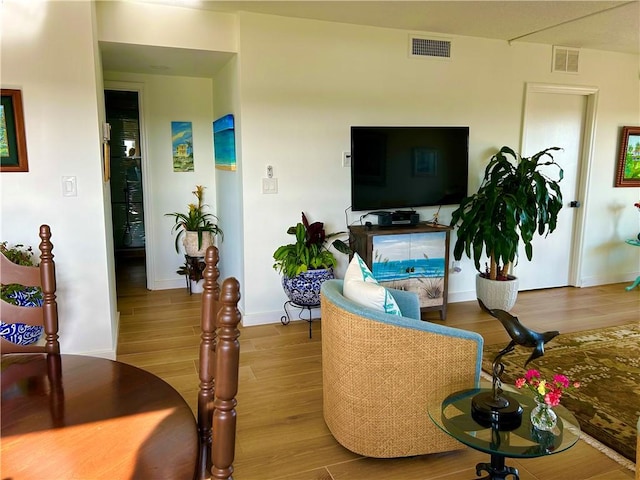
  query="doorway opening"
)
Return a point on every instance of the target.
[{"x": 127, "y": 207}]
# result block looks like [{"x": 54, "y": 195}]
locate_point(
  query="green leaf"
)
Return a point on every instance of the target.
[{"x": 310, "y": 251}]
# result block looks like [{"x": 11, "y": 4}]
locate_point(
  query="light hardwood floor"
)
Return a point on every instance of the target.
[{"x": 281, "y": 433}]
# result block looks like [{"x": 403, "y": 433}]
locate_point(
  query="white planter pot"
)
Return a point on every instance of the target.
[
  {"x": 190, "y": 242},
  {"x": 197, "y": 287},
  {"x": 497, "y": 294}
]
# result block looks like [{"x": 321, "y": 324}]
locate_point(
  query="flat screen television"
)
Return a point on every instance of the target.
[{"x": 407, "y": 167}]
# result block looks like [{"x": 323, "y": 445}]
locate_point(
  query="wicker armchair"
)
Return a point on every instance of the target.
[{"x": 379, "y": 372}]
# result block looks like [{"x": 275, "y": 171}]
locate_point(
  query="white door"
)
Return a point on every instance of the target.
[{"x": 554, "y": 120}]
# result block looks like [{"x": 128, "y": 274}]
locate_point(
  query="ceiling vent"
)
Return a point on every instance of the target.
[
  {"x": 565, "y": 59},
  {"x": 429, "y": 47}
]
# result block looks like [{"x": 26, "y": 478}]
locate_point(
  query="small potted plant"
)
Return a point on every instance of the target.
[
  {"x": 308, "y": 262},
  {"x": 515, "y": 200},
  {"x": 197, "y": 226}
]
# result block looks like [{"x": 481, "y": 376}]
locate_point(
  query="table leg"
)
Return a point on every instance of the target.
[
  {"x": 497, "y": 469},
  {"x": 634, "y": 285},
  {"x": 310, "y": 320}
]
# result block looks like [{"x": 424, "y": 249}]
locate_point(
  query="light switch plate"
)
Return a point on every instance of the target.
[
  {"x": 346, "y": 159},
  {"x": 69, "y": 186}
]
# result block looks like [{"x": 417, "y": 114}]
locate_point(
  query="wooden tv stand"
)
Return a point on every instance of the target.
[{"x": 413, "y": 258}]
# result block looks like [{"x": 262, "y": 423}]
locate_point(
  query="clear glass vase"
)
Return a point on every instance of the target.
[{"x": 543, "y": 417}]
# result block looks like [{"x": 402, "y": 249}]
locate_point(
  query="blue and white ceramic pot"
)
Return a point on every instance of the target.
[{"x": 304, "y": 289}]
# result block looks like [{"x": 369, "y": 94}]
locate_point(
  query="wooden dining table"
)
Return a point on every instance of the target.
[{"x": 80, "y": 417}]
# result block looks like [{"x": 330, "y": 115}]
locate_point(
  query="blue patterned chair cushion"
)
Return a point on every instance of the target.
[{"x": 20, "y": 333}]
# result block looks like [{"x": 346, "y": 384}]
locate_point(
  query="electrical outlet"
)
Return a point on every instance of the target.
[
  {"x": 346, "y": 159},
  {"x": 269, "y": 185}
]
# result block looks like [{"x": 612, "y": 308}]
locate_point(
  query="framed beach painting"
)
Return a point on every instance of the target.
[
  {"x": 224, "y": 143},
  {"x": 13, "y": 143},
  {"x": 628, "y": 172},
  {"x": 182, "y": 146}
]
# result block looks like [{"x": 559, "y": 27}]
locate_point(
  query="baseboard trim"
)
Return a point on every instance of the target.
[
  {"x": 108, "y": 354},
  {"x": 267, "y": 318},
  {"x": 609, "y": 279}
]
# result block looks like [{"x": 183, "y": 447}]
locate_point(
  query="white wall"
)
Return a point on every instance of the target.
[
  {"x": 611, "y": 217},
  {"x": 298, "y": 105},
  {"x": 55, "y": 67},
  {"x": 162, "y": 25},
  {"x": 229, "y": 183}
]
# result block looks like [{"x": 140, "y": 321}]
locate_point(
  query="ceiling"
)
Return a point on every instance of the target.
[{"x": 601, "y": 25}]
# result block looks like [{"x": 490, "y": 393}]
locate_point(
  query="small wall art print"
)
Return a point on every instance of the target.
[
  {"x": 182, "y": 146},
  {"x": 224, "y": 143},
  {"x": 13, "y": 143},
  {"x": 628, "y": 172}
]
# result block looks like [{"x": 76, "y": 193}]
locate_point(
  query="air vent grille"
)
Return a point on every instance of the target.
[
  {"x": 429, "y": 47},
  {"x": 565, "y": 59}
]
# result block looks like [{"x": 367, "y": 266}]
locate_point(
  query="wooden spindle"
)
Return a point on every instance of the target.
[
  {"x": 227, "y": 364},
  {"x": 48, "y": 281},
  {"x": 210, "y": 294}
]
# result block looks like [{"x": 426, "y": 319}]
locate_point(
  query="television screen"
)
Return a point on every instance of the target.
[{"x": 407, "y": 167}]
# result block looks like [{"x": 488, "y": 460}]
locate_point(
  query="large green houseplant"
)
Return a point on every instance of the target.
[
  {"x": 516, "y": 199},
  {"x": 197, "y": 223},
  {"x": 308, "y": 262}
]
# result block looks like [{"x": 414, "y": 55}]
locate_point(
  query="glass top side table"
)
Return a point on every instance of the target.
[
  {"x": 635, "y": 243},
  {"x": 452, "y": 414}
]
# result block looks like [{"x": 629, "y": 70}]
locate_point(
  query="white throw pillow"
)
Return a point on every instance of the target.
[{"x": 361, "y": 287}]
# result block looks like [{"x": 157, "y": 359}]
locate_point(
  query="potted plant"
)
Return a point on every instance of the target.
[
  {"x": 515, "y": 200},
  {"x": 308, "y": 262},
  {"x": 197, "y": 226},
  {"x": 15, "y": 293}
]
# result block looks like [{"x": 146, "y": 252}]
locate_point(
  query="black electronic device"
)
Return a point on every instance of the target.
[
  {"x": 408, "y": 167},
  {"x": 398, "y": 218}
]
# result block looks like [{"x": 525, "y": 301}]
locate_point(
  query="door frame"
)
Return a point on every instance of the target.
[
  {"x": 584, "y": 166},
  {"x": 147, "y": 213}
]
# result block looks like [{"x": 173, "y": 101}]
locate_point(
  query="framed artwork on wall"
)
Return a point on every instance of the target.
[
  {"x": 13, "y": 143},
  {"x": 182, "y": 146},
  {"x": 224, "y": 143},
  {"x": 628, "y": 172}
]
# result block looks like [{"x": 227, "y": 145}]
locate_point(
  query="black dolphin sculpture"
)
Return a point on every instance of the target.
[{"x": 521, "y": 335}]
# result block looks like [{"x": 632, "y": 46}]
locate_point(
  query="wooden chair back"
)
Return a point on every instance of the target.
[
  {"x": 219, "y": 364},
  {"x": 16, "y": 318}
]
